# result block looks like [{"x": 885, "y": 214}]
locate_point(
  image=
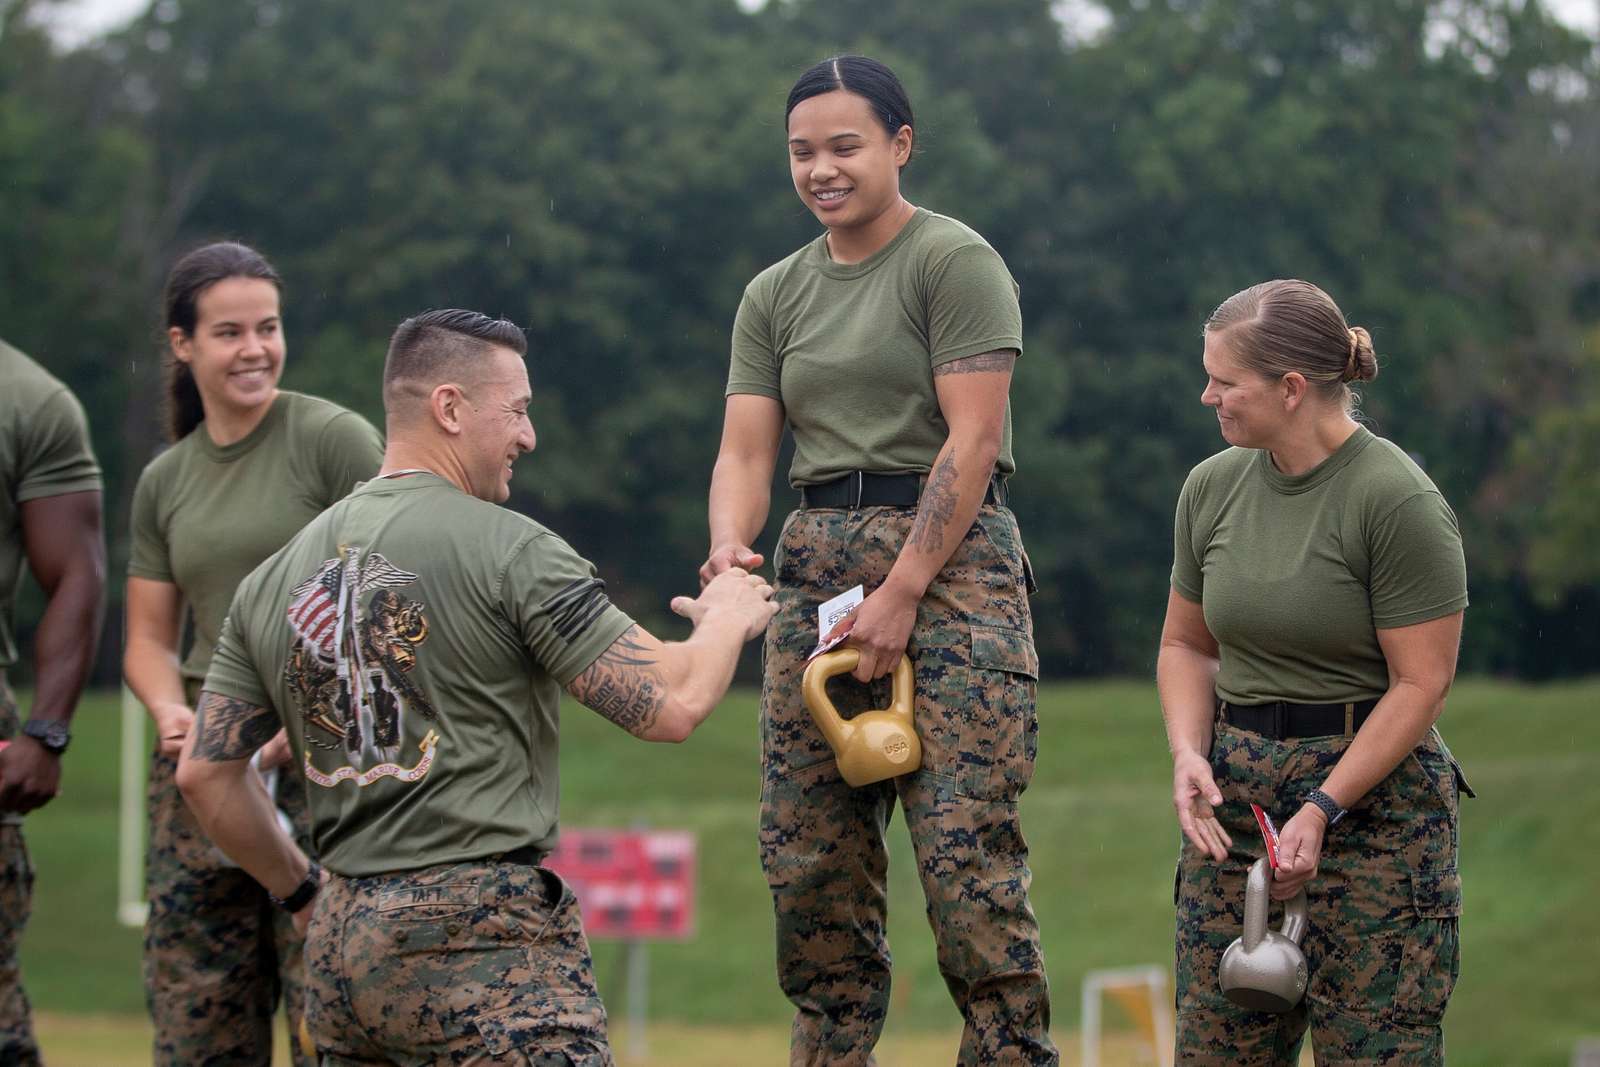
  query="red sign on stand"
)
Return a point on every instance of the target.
[{"x": 632, "y": 885}]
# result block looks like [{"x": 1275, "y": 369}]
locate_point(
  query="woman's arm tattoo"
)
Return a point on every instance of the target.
[
  {"x": 624, "y": 685},
  {"x": 228, "y": 729},
  {"x": 984, "y": 362},
  {"x": 936, "y": 508}
]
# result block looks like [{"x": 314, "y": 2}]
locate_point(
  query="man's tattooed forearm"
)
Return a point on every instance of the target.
[
  {"x": 985, "y": 362},
  {"x": 228, "y": 729},
  {"x": 937, "y": 507},
  {"x": 624, "y": 685}
]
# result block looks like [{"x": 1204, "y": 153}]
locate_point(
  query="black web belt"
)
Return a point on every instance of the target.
[
  {"x": 527, "y": 855},
  {"x": 1281, "y": 720},
  {"x": 863, "y": 489}
]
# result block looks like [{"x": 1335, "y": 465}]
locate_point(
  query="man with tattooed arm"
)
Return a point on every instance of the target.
[{"x": 413, "y": 641}]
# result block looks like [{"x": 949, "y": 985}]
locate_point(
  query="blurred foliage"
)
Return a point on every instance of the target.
[{"x": 611, "y": 173}]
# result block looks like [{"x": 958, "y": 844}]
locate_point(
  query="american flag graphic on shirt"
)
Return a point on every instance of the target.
[{"x": 314, "y": 609}]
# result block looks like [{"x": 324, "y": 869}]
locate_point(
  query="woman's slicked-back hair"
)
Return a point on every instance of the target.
[
  {"x": 1290, "y": 325},
  {"x": 191, "y": 276},
  {"x": 867, "y": 78}
]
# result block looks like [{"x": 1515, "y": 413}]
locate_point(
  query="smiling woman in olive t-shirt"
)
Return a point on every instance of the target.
[
  {"x": 249, "y": 466},
  {"x": 886, "y": 346}
]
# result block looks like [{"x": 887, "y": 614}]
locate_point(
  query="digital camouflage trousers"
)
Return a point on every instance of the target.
[
  {"x": 1383, "y": 909},
  {"x": 17, "y": 1044},
  {"x": 464, "y": 964},
  {"x": 219, "y": 956},
  {"x": 823, "y": 843}
]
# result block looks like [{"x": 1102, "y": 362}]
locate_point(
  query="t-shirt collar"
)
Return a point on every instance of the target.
[{"x": 1290, "y": 484}]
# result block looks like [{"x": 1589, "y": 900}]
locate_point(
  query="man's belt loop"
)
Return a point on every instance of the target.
[
  {"x": 1280, "y": 720},
  {"x": 858, "y": 482},
  {"x": 1349, "y": 719}
]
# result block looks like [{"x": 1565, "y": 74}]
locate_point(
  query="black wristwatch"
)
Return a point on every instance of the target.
[
  {"x": 303, "y": 892},
  {"x": 1330, "y": 807},
  {"x": 51, "y": 733}
]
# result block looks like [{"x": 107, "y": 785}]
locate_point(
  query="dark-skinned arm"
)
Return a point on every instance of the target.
[
  {"x": 972, "y": 397},
  {"x": 66, "y": 551},
  {"x": 230, "y": 802}
]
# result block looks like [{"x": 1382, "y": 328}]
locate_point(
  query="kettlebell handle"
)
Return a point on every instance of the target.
[
  {"x": 1256, "y": 903},
  {"x": 814, "y": 684}
]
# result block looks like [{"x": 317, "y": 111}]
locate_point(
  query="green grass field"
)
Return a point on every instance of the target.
[{"x": 1103, "y": 838}]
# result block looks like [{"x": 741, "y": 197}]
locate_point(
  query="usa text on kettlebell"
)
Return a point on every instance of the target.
[
  {"x": 873, "y": 745},
  {"x": 1264, "y": 970}
]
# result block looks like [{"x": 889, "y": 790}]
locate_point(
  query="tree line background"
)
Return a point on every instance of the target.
[{"x": 611, "y": 173}]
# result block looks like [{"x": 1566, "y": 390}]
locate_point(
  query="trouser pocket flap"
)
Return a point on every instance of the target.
[
  {"x": 575, "y": 1026},
  {"x": 1000, "y": 648},
  {"x": 1436, "y": 894}
]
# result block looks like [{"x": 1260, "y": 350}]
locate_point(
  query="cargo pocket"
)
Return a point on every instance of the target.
[
  {"x": 999, "y": 724},
  {"x": 553, "y": 1032},
  {"x": 1430, "y": 960}
]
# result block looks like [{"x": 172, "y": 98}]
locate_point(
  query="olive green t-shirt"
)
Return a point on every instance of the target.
[
  {"x": 44, "y": 451},
  {"x": 849, "y": 349},
  {"x": 204, "y": 515},
  {"x": 415, "y": 640},
  {"x": 1296, "y": 574}
]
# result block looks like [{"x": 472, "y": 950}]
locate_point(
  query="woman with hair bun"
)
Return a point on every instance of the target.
[
  {"x": 1318, "y": 587},
  {"x": 250, "y": 464},
  {"x": 886, "y": 345}
]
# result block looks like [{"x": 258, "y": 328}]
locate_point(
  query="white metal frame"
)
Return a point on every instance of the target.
[
  {"x": 1154, "y": 980},
  {"x": 131, "y": 906}
]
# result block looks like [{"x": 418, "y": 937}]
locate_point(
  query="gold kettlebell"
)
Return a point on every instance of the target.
[
  {"x": 873, "y": 745},
  {"x": 1264, "y": 970},
  {"x": 308, "y": 1047}
]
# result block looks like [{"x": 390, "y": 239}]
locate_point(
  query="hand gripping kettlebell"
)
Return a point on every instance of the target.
[
  {"x": 1264, "y": 970},
  {"x": 873, "y": 745}
]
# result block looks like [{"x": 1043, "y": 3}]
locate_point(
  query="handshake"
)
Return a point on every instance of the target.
[{"x": 734, "y": 595}]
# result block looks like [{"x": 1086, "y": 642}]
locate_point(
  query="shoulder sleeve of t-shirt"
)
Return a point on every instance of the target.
[
  {"x": 972, "y": 306},
  {"x": 1187, "y": 576},
  {"x": 553, "y": 597},
  {"x": 149, "y": 555},
  {"x": 232, "y": 672},
  {"x": 56, "y": 456},
  {"x": 350, "y": 450},
  {"x": 753, "y": 368},
  {"x": 1419, "y": 571}
]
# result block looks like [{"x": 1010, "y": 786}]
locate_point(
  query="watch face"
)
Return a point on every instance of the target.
[{"x": 52, "y": 735}]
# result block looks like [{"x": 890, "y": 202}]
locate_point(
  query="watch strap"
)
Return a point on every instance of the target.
[
  {"x": 303, "y": 892},
  {"x": 1329, "y": 806}
]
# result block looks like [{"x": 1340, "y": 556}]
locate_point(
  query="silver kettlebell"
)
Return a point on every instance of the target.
[{"x": 1264, "y": 970}]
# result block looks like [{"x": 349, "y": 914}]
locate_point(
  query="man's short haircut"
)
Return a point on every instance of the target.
[{"x": 444, "y": 345}]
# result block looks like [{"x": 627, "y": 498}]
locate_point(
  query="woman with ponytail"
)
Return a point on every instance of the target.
[
  {"x": 1318, "y": 586},
  {"x": 249, "y": 465}
]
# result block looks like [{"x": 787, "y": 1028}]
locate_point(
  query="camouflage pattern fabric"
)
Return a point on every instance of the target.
[
  {"x": 17, "y": 1045},
  {"x": 218, "y": 954},
  {"x": 463, "y": 964},
  {"x": 1381, "y": 943},
  {"x": 822, "y": 842}
]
